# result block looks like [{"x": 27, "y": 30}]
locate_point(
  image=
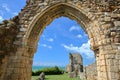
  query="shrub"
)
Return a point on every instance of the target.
[
  {"x": 48, "y": 71},
  {"x": 33, "y": 73}
]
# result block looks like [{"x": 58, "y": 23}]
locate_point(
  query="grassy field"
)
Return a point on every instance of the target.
[{"x": 56, "y": 77}]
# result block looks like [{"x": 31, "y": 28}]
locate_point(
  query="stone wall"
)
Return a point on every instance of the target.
[
  {"x": 75, "y": 66},
  {"x": 91, "y": 72},
  {"x": 8, "y": 32}
]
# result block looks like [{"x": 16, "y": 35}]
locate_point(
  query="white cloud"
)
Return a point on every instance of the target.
[
  {"x": 1, "y": 18},
  {"x": 7, "y": 9},
  {"x": 50, "y": 39},
  {"x": 47, "y": 64},
  {"x": 83, "y": 50},
  {"x": 74, "y": 28},
  {"x": 47, "y": 46},
  {"x": 79, "y": 36},
  {"x": 44, "y": 45},
  {"x": 15, "y": 13},
  {"x": 47, "y": 39},
  {"x": 5, "y": 6}
]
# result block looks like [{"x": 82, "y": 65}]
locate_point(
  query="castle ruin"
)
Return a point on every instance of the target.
[{"x": 76, "y": 66}]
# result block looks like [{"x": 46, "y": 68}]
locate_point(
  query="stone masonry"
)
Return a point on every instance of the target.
[
  {"x": 91, "y": 72},
  {"x": 99, "y": 18},
  {"x": 75, "y": 67}
]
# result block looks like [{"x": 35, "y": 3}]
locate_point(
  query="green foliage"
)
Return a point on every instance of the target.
[{"x": 48, "y": 71}]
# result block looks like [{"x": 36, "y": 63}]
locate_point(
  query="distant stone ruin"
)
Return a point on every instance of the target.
[
  {"x": 75, "y": 67},
  {"x": 91, "y": 71}
]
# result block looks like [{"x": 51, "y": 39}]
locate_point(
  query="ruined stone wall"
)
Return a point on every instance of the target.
[
  {"x": 8, "y": 32},
  {"x": 91, "y": 72},
  {"x": 75, "y": 66}
]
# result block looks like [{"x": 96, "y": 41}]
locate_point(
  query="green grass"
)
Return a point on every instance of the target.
[{"x": 56, "y": 77}]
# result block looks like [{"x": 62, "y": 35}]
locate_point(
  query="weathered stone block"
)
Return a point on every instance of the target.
[
  {"x": 116, "y": 62},
  {"x": 117, "y": 57},
  {"x": 19, "y": 35},
  {"x": 22, "y": 29},
  {"x": 107, "y": 19},
  {"x": 110, "y": 56},
  {"x": 117, "y": 23},
  {"x": 109, "y": 62},
  {"x": 113, "y": 34}
]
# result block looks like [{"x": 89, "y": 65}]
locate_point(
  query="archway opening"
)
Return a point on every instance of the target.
[
  {"x": 44, "y": 18},
  {"x": 61, "y": 37}
]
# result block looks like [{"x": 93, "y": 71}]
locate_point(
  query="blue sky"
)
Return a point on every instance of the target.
[{"x": 59, "y": 38}]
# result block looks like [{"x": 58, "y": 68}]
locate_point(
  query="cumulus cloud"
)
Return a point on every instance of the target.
[
  {"x": 79, "y": 36},
  {"x": 74, "y": 28},
  {"x": 83, "y": 50},
  {"x": 50, "y": 39},
  {"x": 1, "y": 18},
  {"x": 46, "y": 46},
  {"x": 5, "y": 6}
]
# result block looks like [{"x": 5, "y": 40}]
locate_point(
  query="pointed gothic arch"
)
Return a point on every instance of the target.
[{"x": 41, "y": 20}]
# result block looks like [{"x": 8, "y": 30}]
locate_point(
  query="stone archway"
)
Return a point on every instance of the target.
[{"x": 100, "y": 23}]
